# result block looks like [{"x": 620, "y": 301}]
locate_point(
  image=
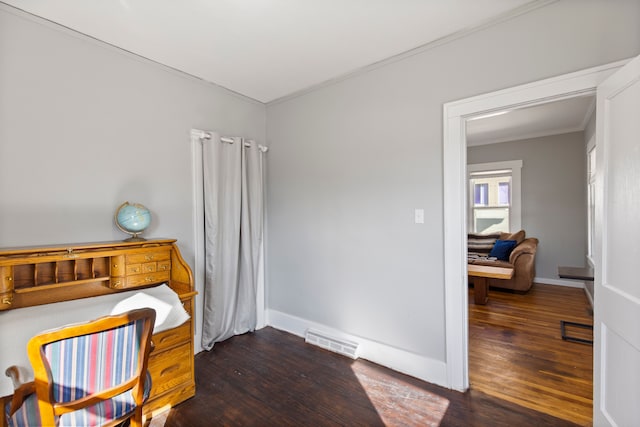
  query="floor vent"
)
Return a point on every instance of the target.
[{"x": 344, "y": 347}]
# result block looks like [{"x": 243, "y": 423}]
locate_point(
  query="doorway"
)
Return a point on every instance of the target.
[
  {"x": 515, "y": 350},
  {"x": 455, "y": 204}
]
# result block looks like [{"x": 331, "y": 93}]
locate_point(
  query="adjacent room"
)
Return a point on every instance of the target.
[
  {"x": 296, "y": 188},
  {"x": 528, "y": 181}
]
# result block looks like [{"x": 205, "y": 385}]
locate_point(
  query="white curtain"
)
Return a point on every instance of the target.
[{"x": 233, "y": 206}]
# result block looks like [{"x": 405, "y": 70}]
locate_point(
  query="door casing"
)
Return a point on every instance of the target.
[{"x": 455, "y": 115}]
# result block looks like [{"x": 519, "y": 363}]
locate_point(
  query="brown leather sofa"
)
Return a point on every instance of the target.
[{"x": 521, "y": 259}]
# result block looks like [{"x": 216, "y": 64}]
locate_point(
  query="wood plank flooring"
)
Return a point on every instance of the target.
[
  {"x": 516, "y": 352},
  {"x": 272, "y": 378}
]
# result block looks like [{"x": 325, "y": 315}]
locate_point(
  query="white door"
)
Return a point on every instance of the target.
[{"x": 617, "y": 283}]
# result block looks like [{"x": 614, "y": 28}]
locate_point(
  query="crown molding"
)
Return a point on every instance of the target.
[{"x": 526, "y": 8}]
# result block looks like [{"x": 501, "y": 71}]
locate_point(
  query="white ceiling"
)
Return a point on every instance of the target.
[
  {"x": 553, "y": 118},
  {"x": 268, "y": 49}
]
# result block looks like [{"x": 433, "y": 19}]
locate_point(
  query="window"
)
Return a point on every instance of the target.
[
  {"x": 481, "y": 197},
  {"x": 494, "y": 202},
  {"x": 503, "y": 193}
]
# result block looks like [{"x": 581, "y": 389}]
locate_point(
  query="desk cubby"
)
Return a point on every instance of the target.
[{"x": 27, "y": 277}]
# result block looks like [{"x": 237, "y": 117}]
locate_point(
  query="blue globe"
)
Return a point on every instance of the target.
[{"x": 132, "y": 218}]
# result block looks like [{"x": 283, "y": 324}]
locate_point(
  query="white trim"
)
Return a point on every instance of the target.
[
  {"x": 591, "y": 146},
  {"x": 23, "y": 14},
  {"x": 424, "y": 368},
  {"x": 515, "y": 217},
  {"x": 511, "y": 14},
  {"x": 590, "y": 112},
  {"x": 559, "y": 282},
  {"x": 508, "y": 164},
  {"x": 531, "y": 135},
  {"x": 455, "y": 115}
]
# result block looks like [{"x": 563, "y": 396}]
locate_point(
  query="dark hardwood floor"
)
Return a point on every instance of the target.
[
  {"x": 516, "y": 352},
  {"x": 272, "y": 378}
]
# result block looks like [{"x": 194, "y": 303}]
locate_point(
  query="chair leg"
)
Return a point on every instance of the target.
[{"x": 136, "y": 418}]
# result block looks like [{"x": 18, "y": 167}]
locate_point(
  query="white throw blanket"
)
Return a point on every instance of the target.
[{"x": 17, "y": 326}]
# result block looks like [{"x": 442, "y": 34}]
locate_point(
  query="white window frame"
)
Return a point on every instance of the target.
[{"x": 515, "y": 210}]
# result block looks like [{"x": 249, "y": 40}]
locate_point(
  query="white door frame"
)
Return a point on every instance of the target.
[{"x": 455, "y": 210}]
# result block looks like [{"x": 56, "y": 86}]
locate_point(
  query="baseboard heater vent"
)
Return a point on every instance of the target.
[{"x": 337, "y": 345}]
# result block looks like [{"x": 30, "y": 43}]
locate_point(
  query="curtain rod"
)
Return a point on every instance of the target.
[{"x": 207, "y": 135}]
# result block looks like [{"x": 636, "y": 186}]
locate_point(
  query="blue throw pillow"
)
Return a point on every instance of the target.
[{"x": 502, "y": 249}]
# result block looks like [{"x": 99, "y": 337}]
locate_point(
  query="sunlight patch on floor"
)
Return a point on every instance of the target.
[{"x": 398, "y": 402}]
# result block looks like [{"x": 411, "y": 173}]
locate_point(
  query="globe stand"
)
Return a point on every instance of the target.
[{"x": 135, "y": 238}]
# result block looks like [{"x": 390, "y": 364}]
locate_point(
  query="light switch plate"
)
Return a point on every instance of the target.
[{"x": 419, "y": 216}]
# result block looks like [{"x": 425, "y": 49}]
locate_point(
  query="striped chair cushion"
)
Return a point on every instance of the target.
[
  {"x": 28, "y": 415},
  {"x": 88, "y": 364},
  {"x": 481, "y": 243}
]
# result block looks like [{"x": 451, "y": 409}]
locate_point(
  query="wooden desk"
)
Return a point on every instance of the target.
[
  {"x": 32, "y": 277},
  {"x": 482, "y": 273}
]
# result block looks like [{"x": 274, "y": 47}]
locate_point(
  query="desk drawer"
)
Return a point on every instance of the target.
[
  {"x": 171, "y": 337},
  {"x": 170, "y": 368},
  {"x": 134, "y": 269},
  {"x": 164, "y": 265},
  {"x": 148, "y": 267},
  {"x": 146, "y": 279},
  {"x": 157, "y": 405},
  {"x": 154, "y": 255}
]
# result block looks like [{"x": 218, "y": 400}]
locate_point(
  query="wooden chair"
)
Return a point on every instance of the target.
[{"x": 89, "y": 374}]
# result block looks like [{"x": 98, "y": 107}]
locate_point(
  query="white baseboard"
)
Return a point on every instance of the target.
[
  {"x": 424, "y": 368},
  {"x": 559, "y": 282}
]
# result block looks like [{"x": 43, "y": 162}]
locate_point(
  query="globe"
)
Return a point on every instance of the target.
[{"x": 132, "y": 218}]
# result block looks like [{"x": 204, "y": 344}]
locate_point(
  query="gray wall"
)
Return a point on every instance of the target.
[
  {"x": 84, "y": 127},
  {"x": 554, "y": 195},
  {"x": 350, "y": 161}
]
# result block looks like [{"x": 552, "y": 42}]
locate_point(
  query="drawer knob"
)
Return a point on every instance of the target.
[
  {"x": 7, "y": 301},
  {"x": 149, "y": 279},
  {"x": 148, "y": 257}
]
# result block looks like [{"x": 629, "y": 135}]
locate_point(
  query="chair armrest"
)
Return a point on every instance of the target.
[
  {"x": 528, "y": 246},
  {"x": 21, "y": 388},
  {"x": 17, "y": 374}
]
